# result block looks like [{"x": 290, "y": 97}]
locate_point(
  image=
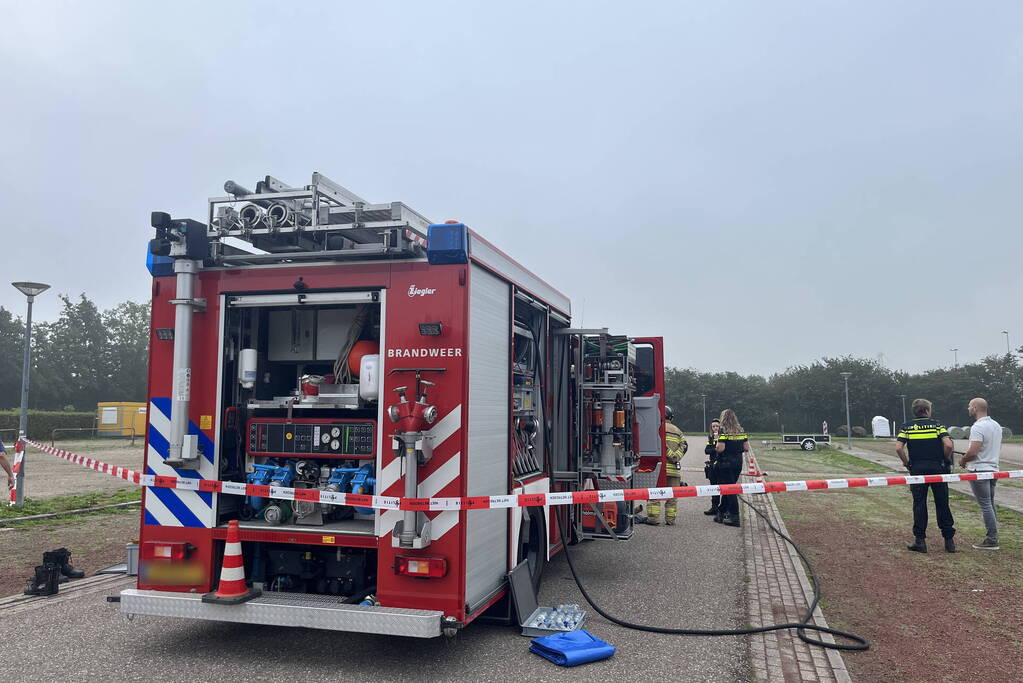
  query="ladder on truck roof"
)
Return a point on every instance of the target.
[{"x": 320, "y": 221}]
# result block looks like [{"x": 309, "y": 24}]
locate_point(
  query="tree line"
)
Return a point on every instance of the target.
[
  {"x": 83, "y": 357},
  {"x": 87, "y": 355},
  {"x": 804, "y": 396}
]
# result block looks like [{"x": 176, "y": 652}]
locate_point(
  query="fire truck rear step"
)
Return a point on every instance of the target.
[{"x": 288, "y": 609}]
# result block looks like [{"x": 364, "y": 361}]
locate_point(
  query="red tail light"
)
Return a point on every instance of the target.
[
  {"x": 166, "y": 550},
  {"x": 421, "y": 567}
]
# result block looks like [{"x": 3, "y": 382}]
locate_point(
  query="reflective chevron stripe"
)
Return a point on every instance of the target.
[
  {"x": 189, "y": 503},
  {"x": 449, "y": 469}
]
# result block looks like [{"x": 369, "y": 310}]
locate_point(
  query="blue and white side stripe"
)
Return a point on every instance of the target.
[{"x": 176, "y": 507}]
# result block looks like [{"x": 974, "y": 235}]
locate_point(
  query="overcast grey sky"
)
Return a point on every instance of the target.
[{"x": 824, "y": 178}]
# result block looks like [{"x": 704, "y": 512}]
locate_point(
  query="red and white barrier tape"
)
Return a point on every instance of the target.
[
  {"x": 19, "y": 454},
  {"x": 509, "y": 501}
]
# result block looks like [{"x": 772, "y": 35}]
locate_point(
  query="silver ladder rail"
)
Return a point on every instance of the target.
[{"x": 313, "y": 220}]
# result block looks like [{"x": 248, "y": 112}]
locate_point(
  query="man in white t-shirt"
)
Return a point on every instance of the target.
[{"x": 982, "y": 456}]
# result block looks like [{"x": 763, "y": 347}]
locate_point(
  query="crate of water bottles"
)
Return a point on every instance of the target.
[{"x": 547, "y": 620}]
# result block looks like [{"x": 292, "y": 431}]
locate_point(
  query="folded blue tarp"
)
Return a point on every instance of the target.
[{"x": 572, "y": 648}]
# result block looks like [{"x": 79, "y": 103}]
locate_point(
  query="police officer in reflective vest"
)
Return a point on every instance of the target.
[
  {"x": 929, "y": 452},
  {"x": 675, "y": 443},
  {"x": 710, "y": 450},
  {"x": 732, "y": 446}
]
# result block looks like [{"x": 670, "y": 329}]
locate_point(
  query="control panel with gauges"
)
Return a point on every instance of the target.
[{"x": 276, "y": 437}]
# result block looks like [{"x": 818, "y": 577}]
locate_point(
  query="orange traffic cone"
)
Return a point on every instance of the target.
[{"x": 232, "y": 589}]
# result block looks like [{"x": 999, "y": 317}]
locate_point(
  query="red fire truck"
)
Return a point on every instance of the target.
[{"x": 307, "y": 341}]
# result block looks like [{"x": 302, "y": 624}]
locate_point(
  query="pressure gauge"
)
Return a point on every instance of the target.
[
  {"x": 325, "y": 438},
  {"x": 335, "y": 432},
  {"x": 335, "y": 445}
]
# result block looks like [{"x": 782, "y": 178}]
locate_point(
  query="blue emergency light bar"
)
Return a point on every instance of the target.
[
  {"x": 159, "y": 266},
  {"x": 447, "y": 243}
]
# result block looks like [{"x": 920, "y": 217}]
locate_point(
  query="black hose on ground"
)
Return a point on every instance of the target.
[{"x": 801, "y": 627}]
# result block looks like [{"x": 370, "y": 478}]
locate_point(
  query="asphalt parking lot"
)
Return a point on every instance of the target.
[{"x": 689, "y": 575}]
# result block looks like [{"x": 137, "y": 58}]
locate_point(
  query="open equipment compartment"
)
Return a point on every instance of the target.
[{"x": 300, "y": 390}]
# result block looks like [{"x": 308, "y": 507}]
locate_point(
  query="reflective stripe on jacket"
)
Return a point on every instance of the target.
[
  {"x": 675, "y": 441},
  {"x": 733, "y": 446}
]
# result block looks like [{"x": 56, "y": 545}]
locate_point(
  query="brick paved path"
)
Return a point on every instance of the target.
[{"x": 778, "y": 592}]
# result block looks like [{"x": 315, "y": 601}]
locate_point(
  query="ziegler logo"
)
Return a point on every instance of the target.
[
  {"x": 448, "y": 352},
  {"x": 415, "y": 291}
]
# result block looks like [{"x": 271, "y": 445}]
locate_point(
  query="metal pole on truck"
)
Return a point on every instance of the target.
[{"x": 31, "y": 290}]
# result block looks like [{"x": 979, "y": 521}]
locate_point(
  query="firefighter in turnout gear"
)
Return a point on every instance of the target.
[{"x": 675, "y": 443}]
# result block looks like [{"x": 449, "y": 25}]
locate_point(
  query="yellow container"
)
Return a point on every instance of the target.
[{"x": 119, "y": 418}]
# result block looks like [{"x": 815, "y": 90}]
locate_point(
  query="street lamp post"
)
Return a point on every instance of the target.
[
  {"x": 955, "y": 358},
  {"x": 848, "y": 421},
  {"x": 30, "y": 290},
  {"x": 903, "y": 397},
  {"x": 1007, "y": 351},
  {"x": 703, "y": 398}
]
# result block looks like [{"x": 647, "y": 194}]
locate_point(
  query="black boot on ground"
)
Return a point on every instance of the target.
[
  {"x": 712, "y": 511},
  {"x": 919, "y": 546},
  {"x": 719, "y": 516},
  {"x": 732, "y": 520},
  {"x": 950, "y": 546},
  {"x": 46, "y": 580},
  {"x": 62, "y": 558}
]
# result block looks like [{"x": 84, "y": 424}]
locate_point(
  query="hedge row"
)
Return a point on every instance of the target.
[{"x": 41, "y": 423}]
